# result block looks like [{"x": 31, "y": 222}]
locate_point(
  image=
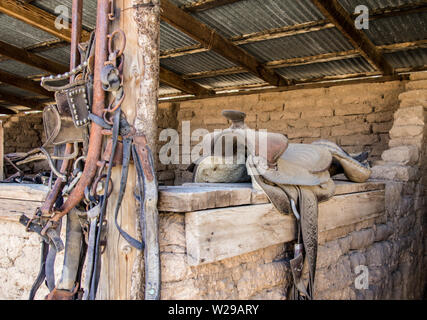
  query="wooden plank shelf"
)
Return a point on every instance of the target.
[
  {"x": 20, "y": 198},
  {"x": 200, "y": 196},
  {"x": 219, "y": 233},
  {"x": 226, "y": 220}
]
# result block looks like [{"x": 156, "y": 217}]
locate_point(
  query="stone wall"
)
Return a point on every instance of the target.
[
  {"x": 19, "y": 262},
  {"x": 357, "y": 117},
  {"x": 391, "y": 248},
  {"x": 265, "y": 273},
  {"x": 23, "y": 133},
  {"x": 404, "y": 166}
]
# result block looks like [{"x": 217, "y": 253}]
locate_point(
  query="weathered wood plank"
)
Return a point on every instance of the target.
[
  {"x": 176, "y": 81},
  {"x": 216, "y": 234},
  {"x": 31, "y": 59},
  {"x": 22, "y": 191},
  {"x": 1, "y": 151},
  {"x": 11, "y": 210},
  {"x": 199, "y": 196},
  {"x": 23, "y": 83}
]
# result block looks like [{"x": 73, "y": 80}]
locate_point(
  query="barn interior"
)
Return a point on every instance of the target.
[{"x": 305, "y": 69}]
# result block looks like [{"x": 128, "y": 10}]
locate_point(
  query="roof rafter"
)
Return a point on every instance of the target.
[
  {"x": 174, "y": 80},
  {"x": 203, "y": 5},
  {"x": 212, "y": 40},
  {"x": 324, "y": 57},
  {"x": 30, "y": 103},
  {"x": 344, "y": 22},
  {"x": 31, "y": 59},
  {"x": 301, "y": 28},
  {"x": 23, "y": 83},
  {"x": 38, "y": 18},
  {"x": 5, "y": 110}
]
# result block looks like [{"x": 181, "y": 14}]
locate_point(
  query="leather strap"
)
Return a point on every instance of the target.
[
  {"x": 42, "y": 273},
  {"x": 127, "y": 144}
]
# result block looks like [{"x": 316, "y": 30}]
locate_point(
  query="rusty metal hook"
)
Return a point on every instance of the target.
[{"x": 110, "y": 42}]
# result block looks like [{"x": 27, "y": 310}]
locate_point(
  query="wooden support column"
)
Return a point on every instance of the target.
[
  {"x": 122, "y": 272},
  {"x": 1, "y": 151}
]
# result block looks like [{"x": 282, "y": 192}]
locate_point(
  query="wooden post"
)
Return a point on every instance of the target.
[
  {"x": 122, "y": 265},
  {"x": 1, "y": 151}
]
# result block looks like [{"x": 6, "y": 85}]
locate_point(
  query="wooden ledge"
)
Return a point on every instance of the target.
[
  {"x": 219, "y": 233},
  {"x": 200, "y": 196},
  {"x": 20, "y": 198}
]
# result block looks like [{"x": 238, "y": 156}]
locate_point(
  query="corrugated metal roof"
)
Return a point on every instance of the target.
[
  {"x": 19, "y": 68},
  {"x": 232, "y": 80},
  {"x": 410, "y": 27},
  {"x": 331, "y": 68},
  {"x": 250, "y": 16},
  {"x": 19, "y": 33},
  {"x": 16, "y": 91},
  {"x": 89, "y": 9},
  {"x": 166, "y": 90},
  {"x": 171, "y": 38},
  {"x": 408, "y": 58},
  {"x": 349, "y": 5},
  {"x": 242, "y": 18},
  {"x": 60, "y": 55},
  {"x": 301, "y": 45},
  {"x": 198, "y": 62}
]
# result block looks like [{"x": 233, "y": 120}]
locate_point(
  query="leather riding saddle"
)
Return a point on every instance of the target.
[{"x": 295, "y": 177}]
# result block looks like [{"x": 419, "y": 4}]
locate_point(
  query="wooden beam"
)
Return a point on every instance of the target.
[
  {"x": 324, "y": 57},
  {"x": 344, "y": 22},
  {"x": 23, "y": 83},
  {"x": 269, "y": 34},
  {"x": 176, "y": 81},
  {"x": 38, "y": 18},
  {"x": 203, "y": 5},
  {"x": 30, "y": 59},
  {"x": 4, "y": 110},
  {"x": 305, "y": 27},
  {"x": 306, "y": 85},
  {"x": 212, "y": 40},
  {"x": 19, "y": 101},
  {"x": 46, "y": 45}
]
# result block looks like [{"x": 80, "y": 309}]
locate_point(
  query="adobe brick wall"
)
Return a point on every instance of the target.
[
  {"x": 357, "y": 117},
  {"x": 404, "y": 166},
  {"x": 23, "y": 133}
]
